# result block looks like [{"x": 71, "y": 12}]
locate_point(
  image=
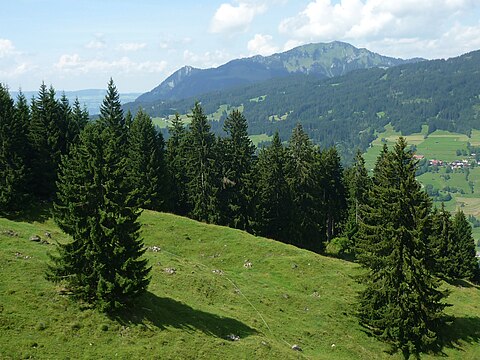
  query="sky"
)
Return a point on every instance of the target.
[{"x": 81, "y": 44}]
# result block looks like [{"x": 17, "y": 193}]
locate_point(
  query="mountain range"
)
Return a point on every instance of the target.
[{"x": 322, "y": 60}]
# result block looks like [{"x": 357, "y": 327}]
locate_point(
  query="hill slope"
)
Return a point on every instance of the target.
[
  {"x": 288, "y": 296},
  {"x": 347, "y": 110},
  {"x": 324, "y": 60}
]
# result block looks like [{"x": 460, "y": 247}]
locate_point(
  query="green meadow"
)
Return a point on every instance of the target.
[{"x": 209, "y": 284}]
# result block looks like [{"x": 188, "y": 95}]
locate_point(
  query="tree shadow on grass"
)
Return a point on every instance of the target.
[
  {"x": 166, "y": 312},
  {"x": 462, "y": 283},
  {"x": 463, "y": 329},
  {"x": 40, "y": 212}
]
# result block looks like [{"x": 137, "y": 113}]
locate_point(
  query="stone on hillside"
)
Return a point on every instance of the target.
[
  {"x": 296, "y": 347},
  {"x": 35, "y": 238},
  {"x": 233, "y": 337}
]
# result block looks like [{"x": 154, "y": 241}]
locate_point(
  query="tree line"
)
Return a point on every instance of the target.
[{"x": 100, "y": 174}]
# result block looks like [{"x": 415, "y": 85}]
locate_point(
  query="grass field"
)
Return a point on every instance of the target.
[
  {"x": 288, "y": 296},
  {"x": 257, "y": 139}
]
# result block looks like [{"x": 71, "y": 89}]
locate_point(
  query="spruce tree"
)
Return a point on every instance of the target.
[
  {"x": 97, "y": 207},
  {"x": 305, "y": 191},
  {"x": 78, "y": 121},
  {"x": 202, "y": 168},
  {"x": 401, "y": 303},
  {"x": 176, "y": 159},
  {"x": 357, "y": 183},
  {"x": 13, "y": 157},
  {"x": 146, "y": 162},
  {"x": 47, "y": 139},
  {"x": 465, "y": 264},
  {"x": 442, "y": 242},
  {"x": 273, "y": 200},
  {"x": 334, "y": 196},
  {"x": 237, "y": 150}
]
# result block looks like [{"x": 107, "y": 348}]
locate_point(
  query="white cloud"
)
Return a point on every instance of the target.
[
  {"x": 76, "y": 65},
  {"x": 261, "y": 44},
  {"x": 207, "y": 59},
  {"x": 7, "y": 48},
  {"x": 131, "y": 46},
  {"x": 97, "y": 43},
  {"x": 409, "y": 24},
  {"x": 230, "y": 18}
]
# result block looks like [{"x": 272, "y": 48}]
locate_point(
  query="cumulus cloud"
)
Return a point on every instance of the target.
[
  {"x": 75, "y": 64},
  {"x": 131, "y": 46},
  {"x": 97, "y": 43},
  {"x": 7, "y": 48},
  {"x": 261, "y": 44},
  {"x": 207, "y": 59},
  {"x": 235, "y": 18},
  {"x": 372, "y": 21}
]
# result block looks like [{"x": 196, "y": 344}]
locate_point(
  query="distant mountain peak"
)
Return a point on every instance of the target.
[{"x": 323, "y": 60}]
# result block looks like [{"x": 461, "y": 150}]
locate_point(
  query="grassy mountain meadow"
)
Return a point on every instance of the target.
[{"x": 210, "y": 284}]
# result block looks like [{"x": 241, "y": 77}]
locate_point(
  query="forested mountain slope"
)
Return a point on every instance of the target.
[
  {"x": 347, "y": 110},
  {"x": 323, "y": 60}
]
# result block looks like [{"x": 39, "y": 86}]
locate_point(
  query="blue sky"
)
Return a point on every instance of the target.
[{"x": 80, "y": 44}]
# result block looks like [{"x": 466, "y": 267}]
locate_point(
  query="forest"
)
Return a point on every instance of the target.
[
  {"x": 100, "y": 174},
  {"x": 442, "y": 94}
]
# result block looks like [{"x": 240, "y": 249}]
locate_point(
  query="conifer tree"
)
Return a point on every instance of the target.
[
  {"x": 13, "y": 164},
  {"x": 176, "y": 159},
  {"x": 237, "y": 150},
  {"x": 465, "y": 264},
  {"x": 273, "y": 200},
  {"x": 441, "y": 242},
  {"x": 334, "y": 196},
  {"x": 79, "y": 119},
  {"x": 358, "y": 183},
  {"x": 202, "y": 168},
  {"x": 401, "y": 303},
  {"x": 305, "y": 191},
  {"x": 47, "y": 139},
  {"x": 147, "y": 165},
  {"x": 97, "y": 207}
]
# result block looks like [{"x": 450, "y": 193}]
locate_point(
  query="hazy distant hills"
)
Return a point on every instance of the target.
[
  {"x": 91, "y": 98},
  {"x": 324, "y": 60}
]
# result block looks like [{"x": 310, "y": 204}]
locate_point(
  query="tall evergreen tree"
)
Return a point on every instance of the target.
[
  {"x": 465, "y": 265},
  {"x": 273, "y": 200},
  {"x": 78, "y": 120},
  {"x": 47, "y": 138},
  {"x": 305, "y": 191},
  {"x": 176, "y": 159},
  {"x": 147, "y": 165},
  {"x": 441, "y": 242},
  {"x": 334, "y": 196},
  {"x": 97, "y": 207},
  {"x": 202, "y": 168},
  {"x": 237, "y": 162},
  {"x": 358, "y": 183},
  {"x": 401, "y": 303},
  {"x": 13, "y": 164}
]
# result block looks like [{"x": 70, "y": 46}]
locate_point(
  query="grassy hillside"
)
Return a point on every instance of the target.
[{"x": 288, "y": 296}]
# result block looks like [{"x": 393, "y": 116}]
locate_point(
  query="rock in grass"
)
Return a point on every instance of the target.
[
  {"x": 233, "y": 337},
  {"x": 296, "y": 347},
  {"x": 35, "y": 238}
]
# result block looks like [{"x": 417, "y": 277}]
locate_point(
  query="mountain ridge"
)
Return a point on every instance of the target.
[{"x": 324, "y": 60}]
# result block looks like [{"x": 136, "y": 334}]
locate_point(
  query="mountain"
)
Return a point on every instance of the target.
[
  {"x": 91, "y": 98},
  {"x": 349, "y": 110},
  {"x": 324, "y": 60}
]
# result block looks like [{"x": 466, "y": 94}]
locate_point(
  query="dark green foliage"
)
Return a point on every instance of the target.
[
  {"x": 47, "y": 136},
  {"x": 96, "y": 206},
  {"x": 465, "y": 264},
  {"x": 146, "y": 163},
  {"x": 305, "y": 188},
  {"x": 401, "y": 303},
  {"x": 78, "y": 121},
  {"x": 333, "y": 196},
  {"x": 358, "y": 183},
  {"x": 13, "y": 155},
  {"x": 237, "y": 151},
  {"x": 176, "y": 159},
  {"x": 273, "y": 200},
  {"x": 442, "y": 242},
  {"x": 202, "y": 168}
]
